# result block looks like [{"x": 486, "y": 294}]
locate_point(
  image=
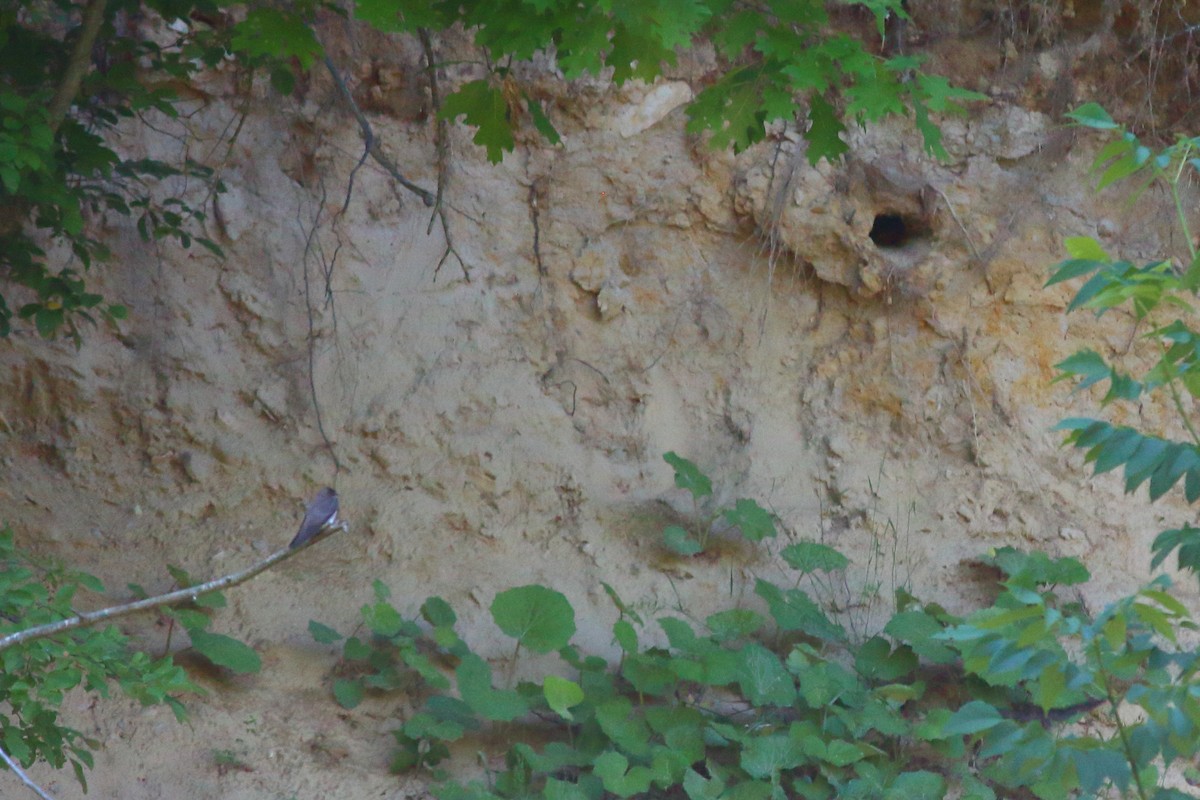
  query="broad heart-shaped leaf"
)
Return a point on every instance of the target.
[
  {"x": 623, "y": 726},
  {"x": 475, "y": 685},
  {"x": 561, "y": 694},
  {"x": 919, "y": 785},
  {"x": 688, "y": 475},
  {"x": 539, "y": 618},
  {"x": 765, "y": 757},
  {"x": 813, "y": 557},
  {"x": 794, "y": 610},
  {"x": 611, "y": 768},
  {"x": 225, "y": 652},
  {"x": 763, "y": 680},
  {"x": 484, "y": 106},
  {"x": 752, "y": 520},
  {"x": 734, "y": 623},
  {"x": 918, "y": 629}
]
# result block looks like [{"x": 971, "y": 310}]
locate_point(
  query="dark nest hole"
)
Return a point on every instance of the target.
[{"x": 893, "y": 230}]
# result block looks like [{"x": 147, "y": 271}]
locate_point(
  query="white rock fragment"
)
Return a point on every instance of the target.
[{"x": 661, "y": 100}]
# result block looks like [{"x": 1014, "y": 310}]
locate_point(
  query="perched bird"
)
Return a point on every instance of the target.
[{"x": 321, "y": 513}]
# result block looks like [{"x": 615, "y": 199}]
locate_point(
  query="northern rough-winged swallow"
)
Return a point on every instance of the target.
[{"x": 321, "y": 513}]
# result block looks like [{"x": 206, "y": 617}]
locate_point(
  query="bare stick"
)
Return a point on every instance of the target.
[
  {"x": 190, "y": 593},
  {"x": 25, "y": 779},
  {"x": 371, "y": 144},
  {"x": 963, "y": 228},
  {"x": 442, "y": 145}
]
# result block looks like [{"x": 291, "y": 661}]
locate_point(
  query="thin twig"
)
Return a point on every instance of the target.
[
  {"x": 963, "y": 228},
  {"x": 25, "y": 779},
  {"x": 327, "y": 270},
  {"x": 371, "y": 144},
  {"x": 190, "y": 593},
  {"x": 442, "y": 146}
]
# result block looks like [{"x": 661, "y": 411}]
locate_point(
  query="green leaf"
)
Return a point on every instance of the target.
[
  {"x": 382, "y": 619},
  {"x": 752, "y": 519},
  {"x": 918, "y": 785},
  {"x": 561, "y": 694},
  {"x": 1088, "y": 365},
  {"x": 732, "y": 109},
  {"x": 226, "y": 652},
  {"x": 438, "y": 613},
  {"x": 1097, "y": 767},
  {"x": 475, "y": 685},
  {"x": 794, "y": 610},
  {"x": 541, "y": 121},
  {"x": 1085, "y": 247},
  {"x": 626, "y": 636},
  {"x": 276, "y": 34},
  {"x": 764, "y": 757},
  {"x": 735, "y": 623},
  {"x": 539, "y": 618},
  {"x": 808, "y": 557},
  {"x": 918, "y": 629},
  {"x": 688, "y": 476},
  {"x": 613, "y": 770},
  {"x": 678, "y": 540},
  {"x": 322, "y": 634},
  {"x": 1093, "y": 115},
  {"x": 348, "y": 693},
  {"x": 764, "y": 680},
  {"x": 625, "y": 728},
  {"x": 824, "y": 134},
  {"x": 841, "y": 753},
  {"x": 484, "y": 107},
  {"x": 972, "y": 718}
]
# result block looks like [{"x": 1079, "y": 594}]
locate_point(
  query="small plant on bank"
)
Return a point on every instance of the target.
[{"x": 746, "y": 516}]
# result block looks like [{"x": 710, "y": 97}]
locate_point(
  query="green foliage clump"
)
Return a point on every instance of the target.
[
  {"x": 753, "y": 521},
  {"x": 779, "y": 61},
  {"x": 1153, "y": 293},
  {"x": 776, "y": 700},
  {"x": 63, "y": 97},
  {"x": 36, "y": 675}
]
